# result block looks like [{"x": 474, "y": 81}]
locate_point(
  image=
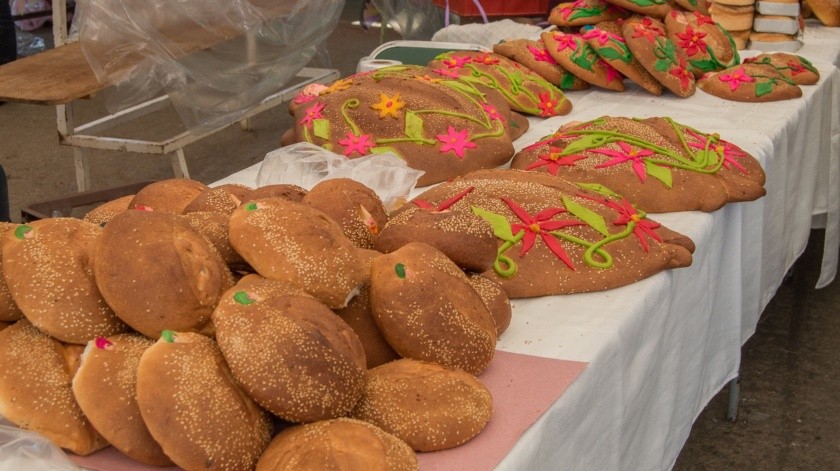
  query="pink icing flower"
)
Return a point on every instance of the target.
[
  {"x": 485, "y": 59},
  {"x": 565, "y": 41},
  {"x": 612, "y": 74},
  {"x": 542, "y": 225},
  {"x": 682, "y": 74},
  {"x": 492, "y": 112},
  {"x": 602, "y": 36},
  {"x": 626, "y": 214},
  {"x": 353, "y": 143},
  {"x": 703, "y": 19},
  {"x": 627, "y": 154},
  {"x": 455, "y": 141},
  {"x": 541, "y": 55},
  {"x": 552, "y": 160},
  {"x": 548, "y": 106},
  {"x": 456, "y": 62},
  {"x": 736, "y": 78},
  {"x": 646, "y": 29},
  {"x": 692, "y": 41},
  {"x": 312, "y": 113},
  {"x": 795, "y": 68},
  {"x": 729, "y": 151},
  {"x": 446, "y": 73}
]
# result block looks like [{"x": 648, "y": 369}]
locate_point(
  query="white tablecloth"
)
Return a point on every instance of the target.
[{"x": 660, "y": 349}]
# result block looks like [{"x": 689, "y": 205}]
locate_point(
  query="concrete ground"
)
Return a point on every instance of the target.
[{"x": 788, "y": 412}]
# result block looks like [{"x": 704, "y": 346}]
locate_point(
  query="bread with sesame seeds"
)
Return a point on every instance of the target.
[
  {"x": 290, "y": 353},
  {"x": 158, "y": 273},
  {"x": 215, "y": 226},
  {"x": 356, "y": 208},
  {"x": 47, "y": 265},
  {"x": 105, "y": 388},
  {"x": 9, "y": 311},
  {"x": 494, "y": 298},
  {"x": 170, "y": 196},
  {"x": 194, "y": 408},
  {"x": 36, "y": 371},
  {"x": 427, "y": 310},
  {"x": 295, "y": 242},
  {"x": 106, "y": 211},
  {"x": 341, "y": 444},
  {"x": 429, "y": 406},
  {"x": 222, "y": 199},
  {"x": 280, "y": 190}
]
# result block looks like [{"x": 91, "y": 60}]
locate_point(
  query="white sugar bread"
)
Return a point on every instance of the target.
[
  {"x": 289, "y": 352},
  {"x": 159, "y": 273},
  {"x": 429, "y": 406},
  {"x": 341, "y": 444},
  {"x": 295, "y": 242},
  {"x": 427, "y": 310},
  {"x": 35, "y": 388},
  {"x": 9, "y": 312},
  {"x": 194, "y": 408},
  {"x": 47, "y": 265},
  {"x": 170, "y": 196},
  {"x": 357, "y": 209},
  {"x": 105, "y": 388}
]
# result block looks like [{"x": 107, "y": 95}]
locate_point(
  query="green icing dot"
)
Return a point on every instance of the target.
[
  {"x": 251, "y": 207},
  {"x": 242, "y": 297},
  {"x": 20, "y": 231},
  {"x": 400, "y": 269},
  {"x": 168, "y": 336}
]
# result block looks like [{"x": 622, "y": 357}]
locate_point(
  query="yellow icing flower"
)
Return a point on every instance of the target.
[
  {"x": 388, "y": 105},
  {"x": 337, "y": 86}
]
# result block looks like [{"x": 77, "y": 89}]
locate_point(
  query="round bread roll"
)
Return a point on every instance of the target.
[
  {"x": 495, "y": 298},
  {"x": 169, "y": 196},
  {"x": 427, "y": 310},
  {"x": 158, "y": 273},
  {"x": 215, "y": 226},
  {"x": 35, "y": 393},
  {"x": 289, "y": 352},
  {"x": 290, "y": 241},
  {"x": 194, "y": 408},
  {"x": 281, "y": 190},
  {"x": 337, "y": 444},
  {"x": 106, "y": 211},
  {"x": 222, "y": 199},
  {"x": 465, "y": 238},
  {"x": 47, "y": 266},
  {"x": 9, "y": 311},
  {"x": 105, "y": 389},
  {"x": 4, "y": 325},
  {"x": 429, "y": 406},
  {"x": 827, "y": 11},
  {"x": 733, "y": 17},
  {"x": 355, "y": 207}
]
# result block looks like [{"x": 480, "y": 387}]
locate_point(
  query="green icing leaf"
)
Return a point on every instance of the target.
[
  {"x": 568, "y": 81},
  {"x": 513, "y": 124},
  {"x": 584, "y": 143},
  {"x": 662, "y": 65},
  {"x": 321, "y": 128},
  {"x": 399, "y": 269},
  {"x": 668, "y": 48},
  {"x": 251, "y": 206},
  {"x": 709, "y": 157},
  {"x": 644, "y": 3},
  {"x": 384, "y": 149},
  {"x": 586, "y": 215},
  {"x": 242, "y": 298},
  {"x": 704, "y": 65},
  {"x": 413, "y": 125},
  {"x": 462, "y": 87},
  {"x": 660, "y": 173},
  {"x": 500, "y": 224},
  {"x": 808, "y": 65},
  {"x": 598, "y": 188},
  {"x": 585, "y": 13},
  {"x": 609, "y": 53},
  {"x": 168, "y": 336},
  {"x": 20, "y": 231},
  {"x": 763, "y": 88}
]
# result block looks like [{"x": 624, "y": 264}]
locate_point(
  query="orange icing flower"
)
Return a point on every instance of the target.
[
  {"x": 388, "y": 105},
  {"x": 337, "y": 86}
]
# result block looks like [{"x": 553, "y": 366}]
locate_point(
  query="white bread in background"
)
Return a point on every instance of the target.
[
  {"x": 775, "y": 24},
  {"x": 827, "y": 11},
  {"x": 734, "y": 3},
  {"x": 776, "y": 7},
  {"x": 774, "y": 42},
  {"x": 733, "y": 18}
]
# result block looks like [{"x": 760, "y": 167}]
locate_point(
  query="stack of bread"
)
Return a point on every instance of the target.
[
  {"x": 737, "y": 17},
  {"x": 777, "y": 26}
]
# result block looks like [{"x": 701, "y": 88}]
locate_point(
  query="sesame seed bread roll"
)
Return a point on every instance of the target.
[
  {"x": 215, "y": 226},
  {"x": 9, "y": 311},
  {"x": 429, "y": 406},
  {"x": 427, "y": 310},
  {"x": 223, "y": 199},
  {"x": 169, "y": 196},
  {"x": 340, "y": 444},
  {"x": 47, "y": 266},
  {"x": 106, "y": 211},
  {"x": 105, "y": 389},
  {"x": 158, "y": 273},
  {"x": 294, "y": 242},
  {"x": 495, "y": 298},
  {"x": 280, "y": 190},
  {"x": 289, "y": 352},
  {"x": 194, "y": 408},
  {"x": 35, "y": 393},
  {"x": 356, "y": 208},
  {"x": 4, "y": 325}
]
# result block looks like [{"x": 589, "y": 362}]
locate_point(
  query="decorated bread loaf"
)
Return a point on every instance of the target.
[
  {"x": 606, "y": 40},
  {"x": 585, "y": 12},
  {"x": 750, "y": 82},
  {"x": 792, "y": 66},
  {"x": 533, "y": 54},
  {"x": 574, "y": 54},
  {"x": 658, "y": 55},
  {"x": 707, "y": 46}
]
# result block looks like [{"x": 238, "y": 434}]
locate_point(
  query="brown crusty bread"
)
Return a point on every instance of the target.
[
  {"x": 35, "y": 393},
  {"x": 194, "y": 408},
  {"x": 105, "y": 388},
  {"x": 169, "y": 196},
  {"x": 427, "y": 310},
  {"x": 495, "y": 298},
  {"x": 295, "y": 242},
  {"x": 9, "y": 311},
  {"x": 750, "y": 82},
  {"x": 47, "y": 266},
  {"x": 341, "y": 444},
  {"x": 215, "y": 226},
  {"x": 289, "y": 352},
  {"x": 357, "y": 209},
  {"x": 106, "y": 211},
  {"x": 429, "y": 406},
  {"x": 158, "y": 273},
  {"x": 648, "y": 42},
  {"x": 280, "y": 190},
  {"x": 223, "y": 199}
]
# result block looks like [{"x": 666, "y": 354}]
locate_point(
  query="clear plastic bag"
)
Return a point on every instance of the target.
[
  {"x": 23, "y": 450},
  {"x": 215, "y": 58},
  {"x": 413, "y": 19},
  {"x": 306, "y": 164}
]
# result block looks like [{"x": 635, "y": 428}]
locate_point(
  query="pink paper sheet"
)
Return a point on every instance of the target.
[{"x": 523, "y": 387}]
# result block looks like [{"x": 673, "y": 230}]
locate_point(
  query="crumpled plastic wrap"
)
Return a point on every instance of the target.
[
  {"x": 23, "y": 450},
  {"x": 304, "y": 164},
  {"x": 413, "y": 19},
  {"x": 215, "y": 58},
  {"x": 488, "y": 34}
]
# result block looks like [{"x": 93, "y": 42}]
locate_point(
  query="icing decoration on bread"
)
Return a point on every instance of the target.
[
  {"x": 103, "y": 344},
  {"x": 750, "y": 82},
  {"x": 706, "y": 44},
  {"x": 168, "y": 336},
  {"x": 24, "y": 232},
  {"x": 607, "y": 41},
  {"x": 535, "y": 56},
  {"x": 658, "y": 55},
  {"x": 585, "y": 12},
  {"x": 657, "y": 164},
  {"x": 653, "y": 8},
  {"x": 243, "y": 298},
  {"x": 792, "y": 66},
  {"x": 574, "y": 54}
]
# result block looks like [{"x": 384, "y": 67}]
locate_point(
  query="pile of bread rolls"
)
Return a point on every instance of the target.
[{"x": 187, "y": 325}]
